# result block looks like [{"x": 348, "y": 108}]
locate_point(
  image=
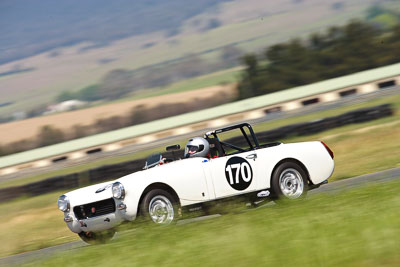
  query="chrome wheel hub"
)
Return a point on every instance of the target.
[
  {"x": 161, "y": 210},
  {"x": 291, "y": 183}
]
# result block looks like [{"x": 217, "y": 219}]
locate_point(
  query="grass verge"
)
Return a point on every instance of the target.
[
  {"x": 350, "y": 228},
  {"x": 32, "y": 223}
]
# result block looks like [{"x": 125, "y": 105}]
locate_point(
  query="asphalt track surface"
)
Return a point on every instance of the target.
[{"x": 378, "y": 177}]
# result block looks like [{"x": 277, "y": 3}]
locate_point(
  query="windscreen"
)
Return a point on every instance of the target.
[{"x": 153, "y": 160}]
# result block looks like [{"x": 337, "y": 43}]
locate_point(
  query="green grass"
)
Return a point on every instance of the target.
[
  {"x": 360, "y": 152},
  {"x": 31, "y": 223},
  {"x": 358, "y": 227}
]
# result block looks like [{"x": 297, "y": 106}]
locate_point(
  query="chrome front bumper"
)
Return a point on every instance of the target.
[{"x": 95, "y": 224}]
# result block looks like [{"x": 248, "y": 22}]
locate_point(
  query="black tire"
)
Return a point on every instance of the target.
[
  {"x": 160, "y": 207},
  {"x": 94, "y": 238},
  {"x": 289, "y": 181}
]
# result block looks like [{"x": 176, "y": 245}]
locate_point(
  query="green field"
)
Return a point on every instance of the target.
[
  {"x": 357, "y": 227},
  {"x": 32, "y": 223}
]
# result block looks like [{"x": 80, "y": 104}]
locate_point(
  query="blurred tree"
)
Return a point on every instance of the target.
[
  {"x": 392, "y": 44},
  {"x": 231, "y": 55},
  {"x": 157, "y": 77},
  {"x": 66, "y": 95},
  {"x": 375, "y": 11},
  {"x": 6, "y": 119},
  {"x": 190, "y": 66},
  {"x": 340, "y": 51},
  {"x": 382, "y": 18},
  {"x": 89, "y": 93},
  {"x": 213, "y": 23},
  {"x": 115, "y": 84},
  {"x": 250, "y": 85},
  {"x": 20, "y": 146},
  {"x": 141, "y": 114},
  {"x": 386, "y": 21},
  {"x": 37, "y": 111},
  {"x": 79, "y": 131},
  {"x": 109, "y": 124},
  {"x": 49, "y": 135},
  {"x": 2, "y": 151}
]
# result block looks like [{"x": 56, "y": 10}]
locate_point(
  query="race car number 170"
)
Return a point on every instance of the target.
[{"x": 238, "y": 173}]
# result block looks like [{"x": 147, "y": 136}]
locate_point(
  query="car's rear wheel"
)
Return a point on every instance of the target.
[
  {"x": 289, "y": 181},
  {"x": 93, "y": 238},
  {"x": 160, "y": 207}
]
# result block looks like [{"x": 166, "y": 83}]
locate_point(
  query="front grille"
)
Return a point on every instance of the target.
[{"x": 95, "y": 209}]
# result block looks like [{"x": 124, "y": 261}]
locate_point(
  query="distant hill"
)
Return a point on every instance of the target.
[
  {"x": 66, "y": 46},
  {"x": 31, "y": 27}
]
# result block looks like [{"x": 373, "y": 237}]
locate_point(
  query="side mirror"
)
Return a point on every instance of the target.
[{"x": 173, "y": 147}]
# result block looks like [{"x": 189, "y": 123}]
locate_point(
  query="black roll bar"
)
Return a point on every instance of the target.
[{"x": 240, "y": 126}]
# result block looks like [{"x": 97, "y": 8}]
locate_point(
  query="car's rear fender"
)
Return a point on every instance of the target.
[{"x": 312, "y": 156}]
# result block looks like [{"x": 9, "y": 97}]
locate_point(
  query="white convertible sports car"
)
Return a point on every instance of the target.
[{"x": 212, "y": 169}]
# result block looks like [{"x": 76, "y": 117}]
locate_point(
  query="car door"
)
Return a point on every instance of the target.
[{"x": 234, "y": 174}]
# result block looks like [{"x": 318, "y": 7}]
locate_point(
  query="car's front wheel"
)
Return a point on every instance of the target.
[
  {"x": 289, "y": 181},
  {"x": 93, "y": 238},
  {"x": 159, "y": 207}
]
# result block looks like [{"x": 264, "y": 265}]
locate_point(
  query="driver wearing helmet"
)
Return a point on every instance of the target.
[{"x": 197, "y": 147}]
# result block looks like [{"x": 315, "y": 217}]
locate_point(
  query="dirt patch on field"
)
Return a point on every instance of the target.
[{"x": 28, "y": 129}]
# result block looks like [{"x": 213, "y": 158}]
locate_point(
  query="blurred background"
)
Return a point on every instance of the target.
[{"x": 89, "y": 89}]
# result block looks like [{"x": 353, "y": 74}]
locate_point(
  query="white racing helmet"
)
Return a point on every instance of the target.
[{"x": 197, "y": 147}]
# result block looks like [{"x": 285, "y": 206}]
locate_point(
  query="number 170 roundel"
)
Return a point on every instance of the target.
[{"x": 238, "y": 173}]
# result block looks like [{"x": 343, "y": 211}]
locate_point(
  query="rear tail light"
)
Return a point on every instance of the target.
[{"x": 328, "y": 149}]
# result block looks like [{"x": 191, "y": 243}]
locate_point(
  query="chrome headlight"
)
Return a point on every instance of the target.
[
  {"x": 63, "y": 203},
  {"x": 118, "y": 190}
]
